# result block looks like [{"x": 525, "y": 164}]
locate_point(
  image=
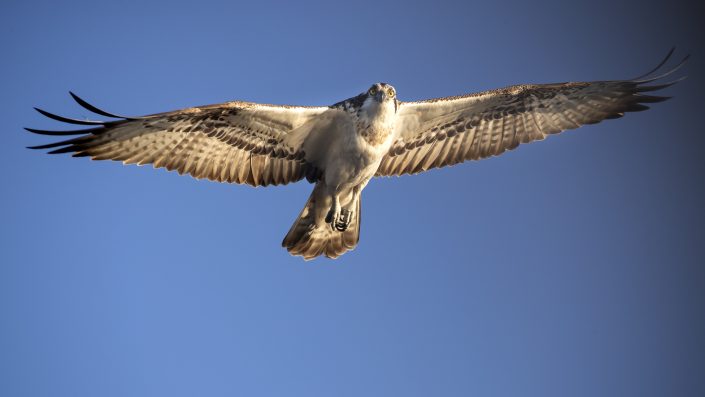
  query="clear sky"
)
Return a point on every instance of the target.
[{"x": 569, "y": 267}]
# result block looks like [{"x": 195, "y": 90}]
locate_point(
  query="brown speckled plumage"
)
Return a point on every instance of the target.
[{"x": 340, "y": 147}]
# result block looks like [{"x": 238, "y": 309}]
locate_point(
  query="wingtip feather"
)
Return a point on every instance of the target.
[
  {"x": 652, "y": 98},
  {"x": 96, "y": 110},
  {"x": 646, "y": 88},
  {"x": 668, "y": 73},
  {"x": 62, "y": 133},
  {"x": 663, "y": 62},
  {"x": 66, "y": 119}
]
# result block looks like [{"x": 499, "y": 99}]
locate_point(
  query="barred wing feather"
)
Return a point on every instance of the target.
[
  {"x": 446, "y": 131},
  {"x": 236, "y": 142}
]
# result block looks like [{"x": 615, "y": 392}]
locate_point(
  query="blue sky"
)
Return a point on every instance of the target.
[{"x": 574, "y": 266}]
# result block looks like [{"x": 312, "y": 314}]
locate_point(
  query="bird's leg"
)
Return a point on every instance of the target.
[
  {"x": 347, "y": 213},
  {"x": 333, "y": 216}
]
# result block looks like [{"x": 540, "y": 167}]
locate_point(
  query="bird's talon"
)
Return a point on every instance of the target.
[
  {"x": 343, "y": 220},
  {"x": 334, "y": 218}
]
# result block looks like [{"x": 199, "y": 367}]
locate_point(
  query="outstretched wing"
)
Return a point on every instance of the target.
[
  {"x": 237, "y": 142},
  {"x": 447, "y": 131}
]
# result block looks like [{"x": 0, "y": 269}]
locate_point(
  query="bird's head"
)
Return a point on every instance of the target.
[{"x": 382, "y": 94}]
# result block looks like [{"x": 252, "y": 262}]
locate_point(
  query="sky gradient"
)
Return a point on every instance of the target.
[{"x": 573, "y": 266}]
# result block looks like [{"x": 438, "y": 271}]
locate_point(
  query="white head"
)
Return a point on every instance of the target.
[{"x": 381, "y": 97}]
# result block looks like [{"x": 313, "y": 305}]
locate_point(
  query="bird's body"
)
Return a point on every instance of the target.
[
  {"x": 342, "y": 146},
  {"x": 360, "y": 143},
  {"x": 356, "y": 148}
]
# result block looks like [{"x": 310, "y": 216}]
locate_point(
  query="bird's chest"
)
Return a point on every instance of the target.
[
  {"x": 373, "y": 126},
  {"x": 363, "y": 147},
  {"x": 372, "y": 139},
  {"x": 374, "y": 134}
]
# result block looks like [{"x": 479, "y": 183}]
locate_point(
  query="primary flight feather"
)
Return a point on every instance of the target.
[{"x": 342, "y": 146}]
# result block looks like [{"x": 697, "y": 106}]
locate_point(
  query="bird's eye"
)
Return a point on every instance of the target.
[
  {"x": 373, "y": 90},
  {"x": 390, "y": 92}
]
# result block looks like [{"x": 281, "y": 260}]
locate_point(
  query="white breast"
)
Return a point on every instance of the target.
[
  {"x": 356, "y": 157},
  {"x": 375, "y": 121}
]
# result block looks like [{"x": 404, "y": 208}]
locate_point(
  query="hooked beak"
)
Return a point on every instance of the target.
[{"x": 380, "y": 96}]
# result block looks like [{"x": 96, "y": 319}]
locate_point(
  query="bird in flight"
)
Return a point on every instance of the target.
[{"x": 342, "y": 146}]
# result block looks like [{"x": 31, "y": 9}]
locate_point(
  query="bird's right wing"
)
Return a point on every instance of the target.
[
  {"x": 238, "y": 142},
  {"x": 446, "y": 131}
]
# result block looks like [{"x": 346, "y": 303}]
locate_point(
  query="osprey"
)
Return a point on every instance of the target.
[{"x": 342, "y": 146}]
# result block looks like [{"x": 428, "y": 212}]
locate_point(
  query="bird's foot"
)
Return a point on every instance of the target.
[
  {"x": 333, "y": 216},
  {"x": 339, "y": 220},
  {"x": 346, "y": 217}
]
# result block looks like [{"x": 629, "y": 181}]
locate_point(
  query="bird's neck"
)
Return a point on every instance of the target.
[{"x": 376, "y": 121}]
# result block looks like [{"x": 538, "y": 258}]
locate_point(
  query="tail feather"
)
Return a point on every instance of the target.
[{"x": 310, "y": 236}]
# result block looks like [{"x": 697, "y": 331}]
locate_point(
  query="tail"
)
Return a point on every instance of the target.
[{"x": 310, "y": 235}]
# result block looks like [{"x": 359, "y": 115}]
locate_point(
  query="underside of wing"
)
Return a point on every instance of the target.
[
  {"x": 447, "y": 131},
  {"x": 236, "y": 142}
]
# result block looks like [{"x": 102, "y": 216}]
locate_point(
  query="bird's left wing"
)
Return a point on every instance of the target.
[
  {"x": 237, "y": 142},
  {"x": 447, "y": 131}
]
